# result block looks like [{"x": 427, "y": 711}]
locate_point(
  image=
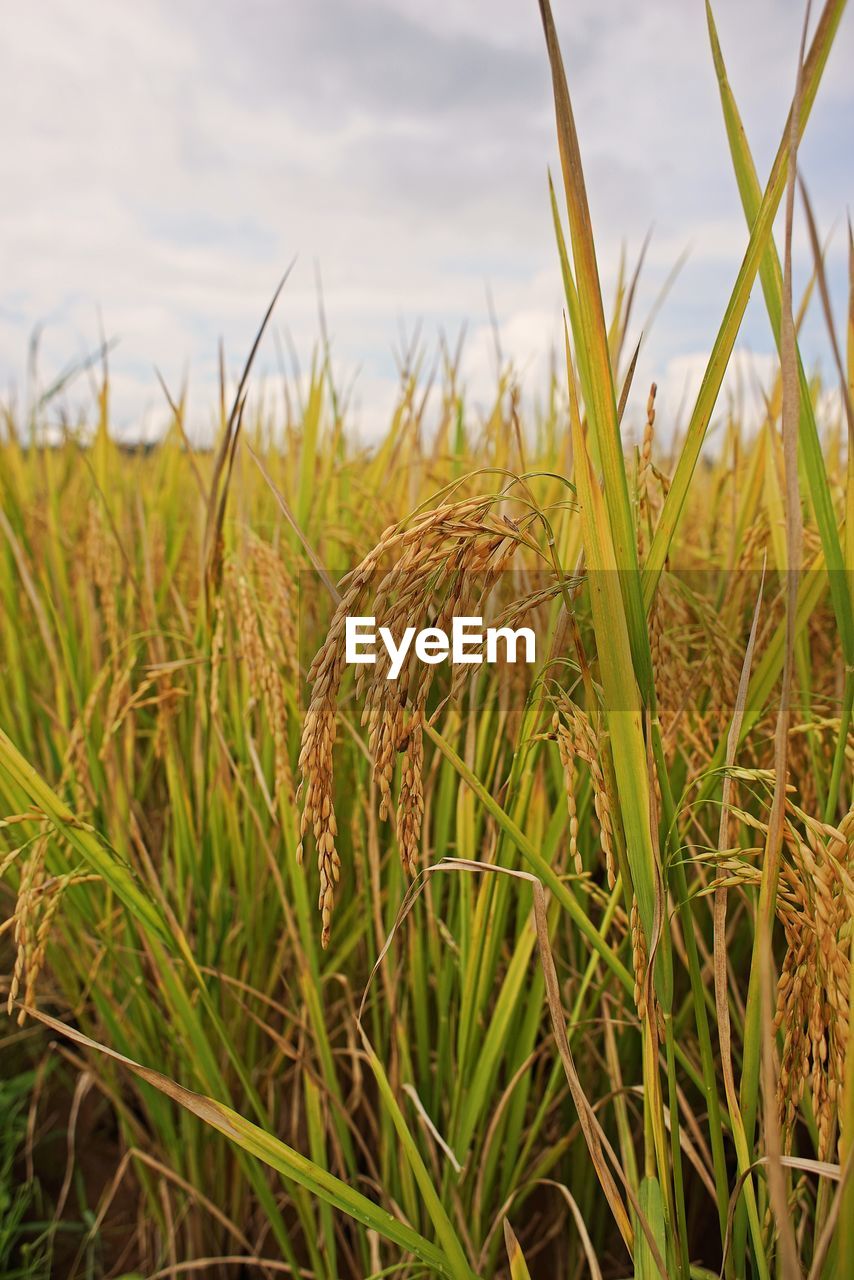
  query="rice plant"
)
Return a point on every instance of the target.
[{"x": 488, "y": 970}]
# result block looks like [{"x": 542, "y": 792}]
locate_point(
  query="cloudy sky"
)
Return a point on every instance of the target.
[{"x": 163, "y": 161}]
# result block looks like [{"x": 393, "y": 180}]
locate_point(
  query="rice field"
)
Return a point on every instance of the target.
[{"x": 495, "y": 969}]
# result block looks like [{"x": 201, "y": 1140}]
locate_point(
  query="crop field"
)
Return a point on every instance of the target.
[{"x": 493, "y": 969}]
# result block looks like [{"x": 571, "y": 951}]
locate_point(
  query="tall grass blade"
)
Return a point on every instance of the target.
[
  {"x": 728, "y": 332},
  {"x": 270, "y": 1151}
]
